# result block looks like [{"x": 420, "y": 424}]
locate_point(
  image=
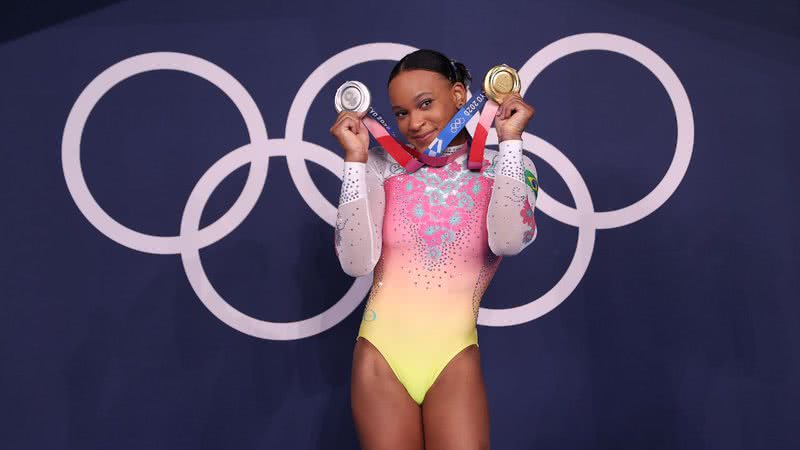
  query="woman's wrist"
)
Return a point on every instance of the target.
[
  {"x": 510, "y": 147},
  {"x": 355, "y": 158},
  {"x": 509, "y": 138}
]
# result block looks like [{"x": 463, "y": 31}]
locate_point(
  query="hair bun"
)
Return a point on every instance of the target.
[{"x": 462, "y": 74}]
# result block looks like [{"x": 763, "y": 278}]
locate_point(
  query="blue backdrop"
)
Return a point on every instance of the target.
[{"x": 661, "y": 312}]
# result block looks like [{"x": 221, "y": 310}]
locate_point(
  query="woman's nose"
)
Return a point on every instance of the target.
[{"x": 415, "y": 121}]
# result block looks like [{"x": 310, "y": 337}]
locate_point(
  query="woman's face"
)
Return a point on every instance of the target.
[{"x": 423, "y": 102}]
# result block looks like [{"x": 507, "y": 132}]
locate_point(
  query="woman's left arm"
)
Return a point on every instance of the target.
[{"x": 510, "y": 220}]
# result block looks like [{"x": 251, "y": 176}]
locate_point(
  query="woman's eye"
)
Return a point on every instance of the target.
[
  {"x": 399, "y": 114},
  {"x": 425, "y": 103}
]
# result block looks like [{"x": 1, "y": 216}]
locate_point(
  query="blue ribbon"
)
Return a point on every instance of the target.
[{"x": 456, "y": 124}]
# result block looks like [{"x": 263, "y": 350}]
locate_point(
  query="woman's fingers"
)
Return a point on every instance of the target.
[
  {"x": 351, "y": 133},
  {"x": 510, "y": 105},
  {"x": 346, "y": 121},
  {"x": 512, "y": 117},
  {"x": 362, "y": 128},
  {"x": 515, "y": 104}
]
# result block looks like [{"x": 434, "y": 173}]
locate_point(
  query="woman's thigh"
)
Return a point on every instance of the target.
[
  {"x": 386, "y": 417},
  {"x": 455, "y": 412}
]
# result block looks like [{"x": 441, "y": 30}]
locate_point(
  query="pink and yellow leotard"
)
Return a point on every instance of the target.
[{"x": 434, "y": 239}]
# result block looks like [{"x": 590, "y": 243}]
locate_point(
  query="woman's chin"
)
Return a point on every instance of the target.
[{"x": 425, "y": 143}]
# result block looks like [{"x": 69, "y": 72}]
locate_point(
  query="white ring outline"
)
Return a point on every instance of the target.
[
  {"x": 79, "y": 114},
  {"x": 202, "y": 285},
  {"x": 683, "y": 115}
]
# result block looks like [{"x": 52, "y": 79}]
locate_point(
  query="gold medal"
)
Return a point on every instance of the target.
[{"x": 500, "y": 82}]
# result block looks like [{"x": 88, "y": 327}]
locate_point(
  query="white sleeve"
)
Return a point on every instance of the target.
[
  {"x": 509, "y": 221},
  {"x": 359, "y": 218}
]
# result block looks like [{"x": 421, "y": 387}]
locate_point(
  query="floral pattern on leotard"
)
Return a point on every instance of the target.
[
  {"x": 528, "y": 219},
  {"x": 444, "y": 197}
]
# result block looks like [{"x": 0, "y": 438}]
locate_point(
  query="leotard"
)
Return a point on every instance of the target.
[{"x": 434, "y": 239}]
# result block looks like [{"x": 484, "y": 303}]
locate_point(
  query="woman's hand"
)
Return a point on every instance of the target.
[
  {"x": 512, "y": 118},
  {"x": 352, "y": 135}
]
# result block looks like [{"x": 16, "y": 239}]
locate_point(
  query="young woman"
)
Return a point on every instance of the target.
[{"x": 434, "y": 239}]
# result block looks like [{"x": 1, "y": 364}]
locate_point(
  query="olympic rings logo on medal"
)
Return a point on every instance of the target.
[
  {"x": 350, "y": 98},
  {"x": 257, "y": 153}
]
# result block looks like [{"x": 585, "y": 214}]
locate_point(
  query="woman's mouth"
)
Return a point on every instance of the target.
[{"x": 424, "y": 137}]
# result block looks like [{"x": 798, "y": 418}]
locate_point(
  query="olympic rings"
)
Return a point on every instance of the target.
[{"x": 296, "y": 151}]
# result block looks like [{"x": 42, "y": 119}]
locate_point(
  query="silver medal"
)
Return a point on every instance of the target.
[{"x": 352, "y": 96}]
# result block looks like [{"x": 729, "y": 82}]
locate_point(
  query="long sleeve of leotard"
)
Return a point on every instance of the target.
[
  {"x": 359, "y": 218},
  {"x": 509, "y": 220}
]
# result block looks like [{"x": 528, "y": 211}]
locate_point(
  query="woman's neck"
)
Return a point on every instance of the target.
[{"x": 459, "y": 139}]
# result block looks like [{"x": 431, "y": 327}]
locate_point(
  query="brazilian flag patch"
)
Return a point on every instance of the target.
[{"x": 530, "y": 180}]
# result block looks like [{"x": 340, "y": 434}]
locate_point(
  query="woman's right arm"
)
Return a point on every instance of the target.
[{"x": 359, "y": 218}]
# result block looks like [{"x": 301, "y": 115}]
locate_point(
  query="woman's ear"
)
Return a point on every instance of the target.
[{"x": 459, "y": 92}]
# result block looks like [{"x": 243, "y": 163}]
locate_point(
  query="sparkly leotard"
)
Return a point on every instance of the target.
[{"x": 434, "y": 239}]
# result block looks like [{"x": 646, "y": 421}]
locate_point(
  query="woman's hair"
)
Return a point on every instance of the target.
[{"x": 435, "y": 62}]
